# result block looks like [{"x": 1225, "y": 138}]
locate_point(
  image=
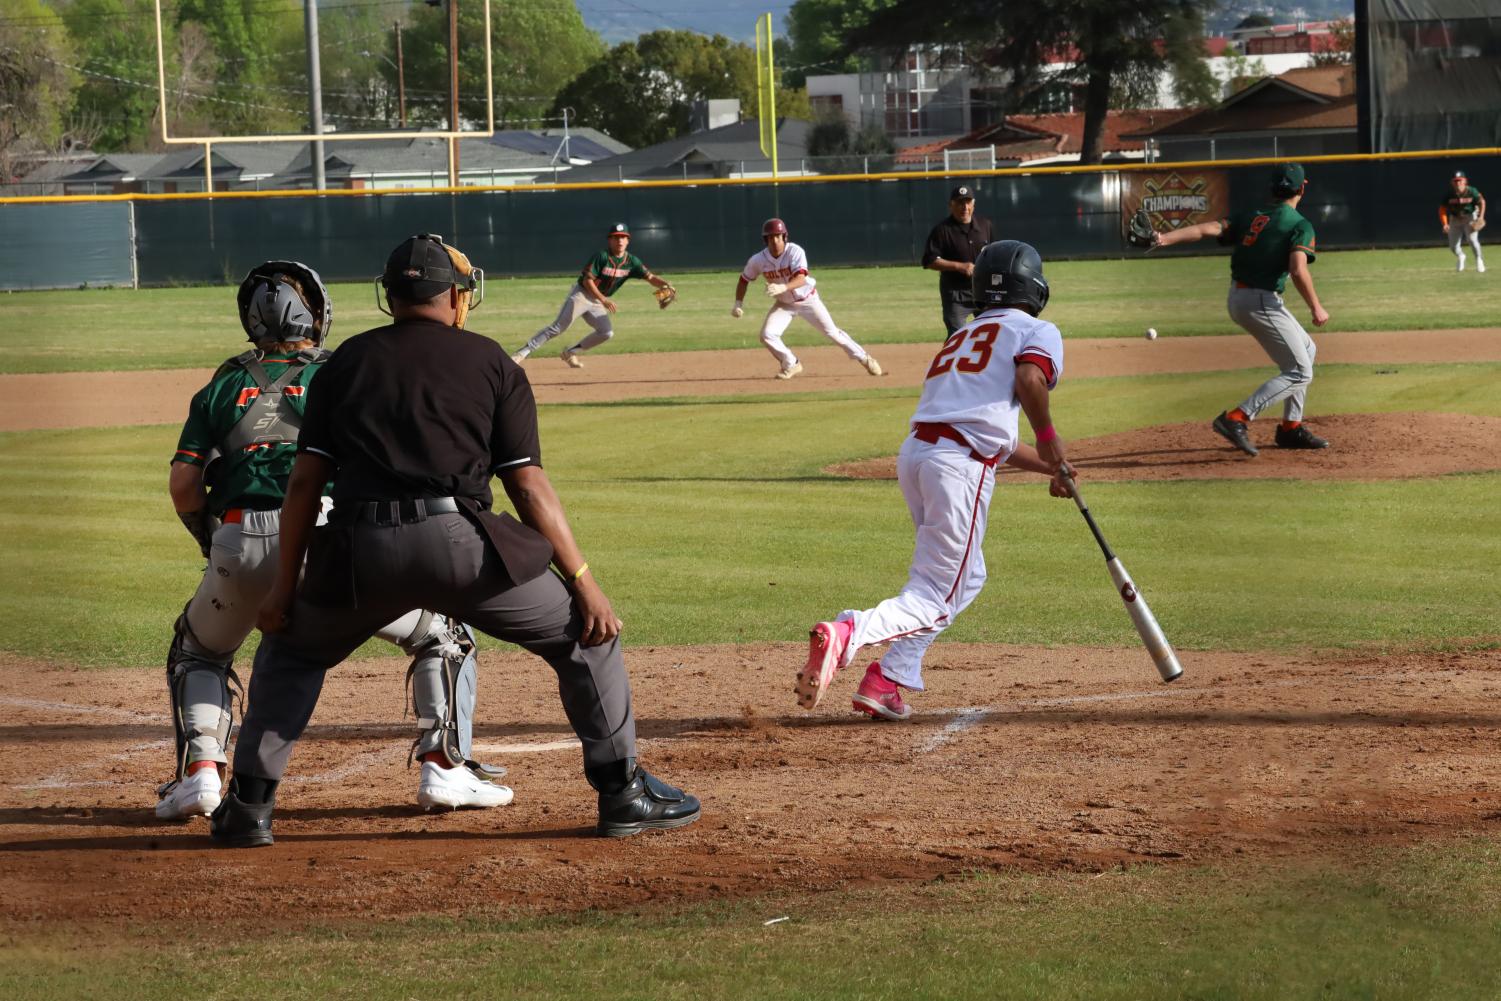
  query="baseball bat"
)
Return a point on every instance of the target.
[{"x": 1147, "y": 628}]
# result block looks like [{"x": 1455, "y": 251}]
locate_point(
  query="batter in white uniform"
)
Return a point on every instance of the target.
[
  {"x": 785, "y": 268},
  {"x": 1003, "y": 363}
]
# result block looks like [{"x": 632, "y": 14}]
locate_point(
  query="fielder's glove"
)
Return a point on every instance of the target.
[
  {"x": 1476, "y": 225},
  {"x": 666, "y": 296},
  {"x": 737, "y": 310},
  {"x": 775, "y": 289},
  {"x": 1139, "y": 233}
]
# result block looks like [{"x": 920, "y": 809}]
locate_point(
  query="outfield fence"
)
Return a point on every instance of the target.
[{"x": 709, "y": 224}]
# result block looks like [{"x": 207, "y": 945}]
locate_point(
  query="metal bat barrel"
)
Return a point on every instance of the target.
[{"x": 1152, "y": 636}]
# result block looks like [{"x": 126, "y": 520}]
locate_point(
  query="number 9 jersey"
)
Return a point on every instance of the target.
[{"x": 971, "y": 384}]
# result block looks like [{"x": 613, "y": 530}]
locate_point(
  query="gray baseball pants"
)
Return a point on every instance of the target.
[
  {"x": 1461, "y": 232},
  {"x": 576, "y": 305},
  {"x": 241, "y": 569},
  {"x": 446, "y": 564},
  {"x": 1264, "y": 316}
]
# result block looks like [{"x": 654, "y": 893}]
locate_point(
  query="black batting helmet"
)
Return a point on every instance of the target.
[
  {"x": 773, "y": 226},
  {"x": 284, "y": 301},
  {"x": 1009, "y": 273}
]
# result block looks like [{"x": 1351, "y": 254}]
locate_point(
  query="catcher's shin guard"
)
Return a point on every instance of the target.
[
  {"x": 198, "y": 685},
  {"x": 443, "y": 677}
]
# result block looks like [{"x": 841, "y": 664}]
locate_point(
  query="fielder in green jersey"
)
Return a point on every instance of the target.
[
  {"x": 1272, "y": 244},
  {"x": 602, "y": 276},
  {"x": 1462, "y": 214}
]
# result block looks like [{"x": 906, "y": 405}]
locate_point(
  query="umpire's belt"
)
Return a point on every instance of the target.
[
  {"x": 930, "y": 433},
  {"x": 392, "y": 512}
]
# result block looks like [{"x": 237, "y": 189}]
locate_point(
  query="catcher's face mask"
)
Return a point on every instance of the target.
[{"x": 423, "y": 267}]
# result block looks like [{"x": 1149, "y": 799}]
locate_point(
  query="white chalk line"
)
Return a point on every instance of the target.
[
  {"x": 570, "y": 744},
  {"x": 71, "y": 707},
  {"x": 59, "y": 779}
]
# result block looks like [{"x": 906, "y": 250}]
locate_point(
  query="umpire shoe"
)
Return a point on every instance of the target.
[
  {"x": 1235, "y": 432},
  {"x": 1299, "y": 437},
  {"x": 645, "y": 804},
  {"x": 241, "y": 825}
]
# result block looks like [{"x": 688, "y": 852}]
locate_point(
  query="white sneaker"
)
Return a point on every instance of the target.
[
  {"x": 197, "y": 795},
  {"x": 872, "y": 366},
  {"x": 790, "y": 370},
  {"x": 451, "y": 788},
  {"x": 1459, "y": 265},
  {"x": 571, "y": 359}
]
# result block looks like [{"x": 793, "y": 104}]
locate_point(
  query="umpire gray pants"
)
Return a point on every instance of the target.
[
  {"x": 1264, "y": 316},
  {"x": 446, "y": 564}
]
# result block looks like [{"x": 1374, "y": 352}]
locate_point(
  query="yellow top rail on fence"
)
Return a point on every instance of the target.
[{"x": 905, "y": 175}]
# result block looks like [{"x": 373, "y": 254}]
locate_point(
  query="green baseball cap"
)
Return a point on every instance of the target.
[
  {"x": 619, "y": 229},
  {"x": 1288, "y": 178}
]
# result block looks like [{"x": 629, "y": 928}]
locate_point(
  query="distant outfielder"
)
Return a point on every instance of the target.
[
  {"x": 1000, "y": 365},
  {"x": 1462, "y": 213},
  {"x": 601, "y": 278},
  {"x": 785, "y": 268}
]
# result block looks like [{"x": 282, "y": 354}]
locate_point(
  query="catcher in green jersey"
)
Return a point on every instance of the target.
[
  {"x": 227, "y": 482},
  {"x": 590, "y": 297},
  {"x": 1272, "y": 244}
]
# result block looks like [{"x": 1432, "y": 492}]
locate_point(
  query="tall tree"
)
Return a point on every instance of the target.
[
  {"x": 36, "y": 85},
  {"x": 537, "y": 46},
  {"x": 247, "y": 39},
  {"x": 1110, "y": 40},
  {"x": 817, "y": 30},
  {"x": 115, "y": 42},
  {"x": 642, "y": 92}
]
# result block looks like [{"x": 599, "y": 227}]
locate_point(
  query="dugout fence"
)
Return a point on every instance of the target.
[{"x": 880, "y": 220}]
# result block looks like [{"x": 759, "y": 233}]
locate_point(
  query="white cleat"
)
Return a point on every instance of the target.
[
  {"x": 872, "y": 366},
  {"x": 197, "y": 795},
  {"x": 790, "y": 370},
  {"x": 1459, "y": 265},
  {"x": 1479, "y": 265},
  {"x": 571, "y": 359},
  {"x": 451, "y": 788}
]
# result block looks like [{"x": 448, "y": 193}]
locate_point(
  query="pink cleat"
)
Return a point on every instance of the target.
[
  {"x": 880, "y": 697},
  {"x": 826, "y": 644}
]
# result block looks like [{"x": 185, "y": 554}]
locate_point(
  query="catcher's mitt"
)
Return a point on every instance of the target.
[
  {"x": 666, "y": 296},
  {"x": 1139, "y": 233}
]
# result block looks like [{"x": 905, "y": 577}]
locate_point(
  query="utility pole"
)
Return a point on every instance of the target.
[
  {"x": 453, "y": 92},
  {"x": 401, "y": 81},
  {"x": 315, "y": 91}
]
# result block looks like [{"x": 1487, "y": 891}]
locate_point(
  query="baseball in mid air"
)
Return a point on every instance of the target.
[{"x": 1151, "y": 333}]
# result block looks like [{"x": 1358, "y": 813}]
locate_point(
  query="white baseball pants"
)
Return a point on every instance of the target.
[
  {"x": 576, "y": 305},
  {"x": 813, "y": 310},
  {"x": 948, "y": 494}
]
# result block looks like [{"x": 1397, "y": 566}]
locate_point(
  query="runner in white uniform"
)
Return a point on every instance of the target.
[
  {"x": 1003, "y": 362},
  {"x": 785, "y": 268}
]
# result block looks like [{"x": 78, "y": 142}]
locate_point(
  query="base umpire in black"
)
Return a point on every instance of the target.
[
  {"x": 411, "y": 421},
  {"x": 951, "y": 250}
]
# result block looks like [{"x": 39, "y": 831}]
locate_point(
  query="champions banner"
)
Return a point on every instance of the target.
[{"x": 1175, "y": 198}]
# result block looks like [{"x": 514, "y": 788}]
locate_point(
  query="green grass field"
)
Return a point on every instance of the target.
[
  {"x": 743, "y": 537},
  {"x": 110, "y": 329}
]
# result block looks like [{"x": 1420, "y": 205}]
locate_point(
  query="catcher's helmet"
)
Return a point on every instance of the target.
[
  {"x": 1009, "y": 273},
  {"x": 284, "y": 301},
  {"x": 772, "y": 227}
]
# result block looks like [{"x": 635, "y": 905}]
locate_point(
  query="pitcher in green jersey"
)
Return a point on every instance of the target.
[{"x": 1272, "y": 243}]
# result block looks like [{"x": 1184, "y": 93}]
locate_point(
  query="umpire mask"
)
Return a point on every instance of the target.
[{"x": 423, "y": 267}]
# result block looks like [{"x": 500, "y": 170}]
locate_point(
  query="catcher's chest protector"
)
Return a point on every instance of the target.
[{"x": 266, "y": 421}]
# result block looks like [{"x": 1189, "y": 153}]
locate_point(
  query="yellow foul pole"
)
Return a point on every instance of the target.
[{"x": 766, "y": 91}]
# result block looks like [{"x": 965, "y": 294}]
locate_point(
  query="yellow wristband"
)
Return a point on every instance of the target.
[{"x": 579, "y": 572}]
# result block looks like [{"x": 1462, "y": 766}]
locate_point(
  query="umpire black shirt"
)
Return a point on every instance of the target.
[
  {"x": 420, "y": 409},
  {"x": 956, "y": 241}
]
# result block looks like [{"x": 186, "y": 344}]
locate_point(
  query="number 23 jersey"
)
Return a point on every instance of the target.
[{"x": 972, "y": 381}]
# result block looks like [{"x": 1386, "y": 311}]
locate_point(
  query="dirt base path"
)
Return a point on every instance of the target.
[
  {"x": 94, "y": 399},
  {"x": 1017, "y": 757}
]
